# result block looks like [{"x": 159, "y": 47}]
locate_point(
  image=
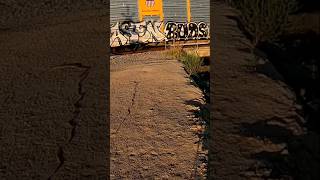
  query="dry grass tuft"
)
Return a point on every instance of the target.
[
  {"x": 176, "y": 52},
  {"x": 192, "y": 62}
]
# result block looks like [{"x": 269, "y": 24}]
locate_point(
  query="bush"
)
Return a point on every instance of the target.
[
  {"x": 192, "y": 63},
  {"x": 176, "y": 52},
  {"x": 264, "y": 20}
]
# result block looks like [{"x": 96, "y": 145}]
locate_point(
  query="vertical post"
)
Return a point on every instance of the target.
[
  {"x": 140, "y": 10},
  {"x": 197, "y": 45},
  {"x": 160, "y": 7},
  {"x": 161, "y": 15},
  {"x": 165, "y": 45},
  {"x": 188, "y": 11}
]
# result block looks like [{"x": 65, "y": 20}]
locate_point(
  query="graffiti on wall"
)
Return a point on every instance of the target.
[
  {"x": 186, "y": 31},
  {"x": 129, "y": 32}
]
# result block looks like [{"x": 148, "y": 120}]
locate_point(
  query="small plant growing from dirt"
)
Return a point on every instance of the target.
[
  {"x": 264, "y": 20},
  {"x": 176, "y": 52},
  {"x": 192, "y": 63}
]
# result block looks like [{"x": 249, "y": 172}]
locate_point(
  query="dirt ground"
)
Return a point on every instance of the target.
[
  {"x": 53, "y": 91},
  {"x": 253, "y": 114},
  {"x": 152, "y": 121}
]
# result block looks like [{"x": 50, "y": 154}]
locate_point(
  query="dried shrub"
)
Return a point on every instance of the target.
[
  {"x": 176, "y": 52},
  {"x": 264, "y": 20},
  {"x": 192, "y": 63}
]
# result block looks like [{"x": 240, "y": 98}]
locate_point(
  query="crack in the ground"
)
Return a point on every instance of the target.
[
  {"x": 74, "y": 121},
  {"x": 61, "y": 158},
  {"x": 77, "y": 105},
  {"x": 131, "y": 105}
]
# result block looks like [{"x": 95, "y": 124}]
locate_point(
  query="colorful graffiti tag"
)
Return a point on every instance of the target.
[{"x": 129, "y": 32}]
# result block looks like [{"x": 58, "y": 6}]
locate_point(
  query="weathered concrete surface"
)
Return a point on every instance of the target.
[
  {"x": 151, "y": 118},
  {"x": 253, "y": 115},
  {"x": 53, "y": 92}
]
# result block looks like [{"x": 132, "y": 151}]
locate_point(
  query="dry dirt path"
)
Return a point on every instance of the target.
[
  {"x": 151, "y": 118},
  {"x": 253, "y": 115}
]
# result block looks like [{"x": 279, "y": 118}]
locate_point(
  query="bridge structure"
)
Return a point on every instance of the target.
[{"x": 202, "y": 47}]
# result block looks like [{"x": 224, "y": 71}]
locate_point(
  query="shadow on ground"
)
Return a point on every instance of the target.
[
  {"x": 298, "y": 159},
  {"x": 202, "y": 118}
]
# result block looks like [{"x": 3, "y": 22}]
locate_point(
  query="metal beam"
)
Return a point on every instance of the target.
[{"x": 188, "y": 11}]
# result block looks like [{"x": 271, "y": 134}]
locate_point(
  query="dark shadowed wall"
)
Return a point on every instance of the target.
[{"x": 54, "y": 89}]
